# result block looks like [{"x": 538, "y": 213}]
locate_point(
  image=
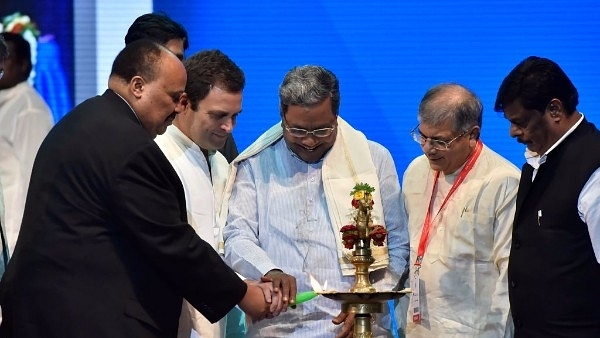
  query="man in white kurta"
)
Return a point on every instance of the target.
[
  {"x": 462, "y": 278},
  {"x": 212, "y": 101},
  {"x": 193, "y": 169},
  {"x": 25, "y": 120}
]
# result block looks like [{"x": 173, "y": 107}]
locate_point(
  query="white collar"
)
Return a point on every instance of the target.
[{"x": 535, "y": 160}]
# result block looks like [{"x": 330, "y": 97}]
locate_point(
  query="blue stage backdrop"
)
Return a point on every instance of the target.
[{"x": 388, "y": 53}]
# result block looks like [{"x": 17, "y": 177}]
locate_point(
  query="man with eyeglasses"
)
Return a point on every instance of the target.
[
  {"x": 460, "y": 199},
  {"x": 290, "y": 197}
]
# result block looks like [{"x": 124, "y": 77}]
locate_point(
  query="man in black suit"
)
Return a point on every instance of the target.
[
  {"x": 105, "y": 249},
  {"x": 171, "y": 34}
]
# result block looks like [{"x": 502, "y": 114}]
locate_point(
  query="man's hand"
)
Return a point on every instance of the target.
[
  {"x": 277, "y": 305},
  {"x": 266, "y": 287},
  {"x": 254, "y": 303},
  {"x": 271, "y": 297},
  {"x": 347, "y": 330},
  {"x": 283, "y": 284}
]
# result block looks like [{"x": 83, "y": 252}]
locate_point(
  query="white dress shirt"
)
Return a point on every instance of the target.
[{"x": 25, "y": 120}]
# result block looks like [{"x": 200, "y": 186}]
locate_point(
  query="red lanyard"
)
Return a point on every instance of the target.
[{"x": 459, "y": 179}]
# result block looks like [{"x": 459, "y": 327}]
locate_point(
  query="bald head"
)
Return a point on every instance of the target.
[{"x": 151, "y": 79}]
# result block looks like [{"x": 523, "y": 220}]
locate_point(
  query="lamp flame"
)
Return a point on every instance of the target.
[{"x": 316, "y": 285}]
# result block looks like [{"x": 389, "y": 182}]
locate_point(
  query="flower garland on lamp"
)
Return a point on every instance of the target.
[
  {"x": 362, "y": 226},
  {"x": 21, "y": 24}
]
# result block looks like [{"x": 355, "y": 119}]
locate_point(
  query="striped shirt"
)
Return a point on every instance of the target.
[{"x": 278, "y": 219}]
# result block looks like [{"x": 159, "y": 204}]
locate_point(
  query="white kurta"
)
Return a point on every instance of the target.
[
  {"x": 463, "y": 277},
  {"x": 192, "y": 168},
  {"x": 25, "y": 120}
]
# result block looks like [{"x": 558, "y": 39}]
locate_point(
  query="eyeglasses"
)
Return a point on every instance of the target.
[
  {"x": 436, "y": 144},
  {"x": 300, "y": 133}
]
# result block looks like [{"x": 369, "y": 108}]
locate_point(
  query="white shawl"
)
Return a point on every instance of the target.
[{"x": 347, "y": 163}]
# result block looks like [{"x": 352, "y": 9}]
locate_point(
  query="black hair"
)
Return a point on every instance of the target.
[
  {"x": 211, "y": 68},
  {"x": 158, "y": 27},
  {"x": 534, "y": 82},
  {"x": 21, "y": 50}
]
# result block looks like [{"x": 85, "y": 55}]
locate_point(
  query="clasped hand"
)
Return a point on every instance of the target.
[{"x": 278, "y": 290}]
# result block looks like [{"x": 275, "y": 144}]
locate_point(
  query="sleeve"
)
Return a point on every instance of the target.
[
  {"x": 589, "y": 210},
  {"x": 499, "y": 319},
  {"x": 30, "y": 130},
  {"x": 394, "y": 212},
  {"x": 16, "y": 163},
  {"x": 150, "y": 205},
  {"x": 242, "y": 248},
  {"x": 14, "y": 192}
]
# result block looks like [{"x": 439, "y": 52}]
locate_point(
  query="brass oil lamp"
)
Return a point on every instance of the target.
[{"x": 363, "y": 300}]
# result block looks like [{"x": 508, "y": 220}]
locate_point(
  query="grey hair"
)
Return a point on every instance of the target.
[
  {"x": 309, "y": 85},
  {"x": 451, "y": 101}
]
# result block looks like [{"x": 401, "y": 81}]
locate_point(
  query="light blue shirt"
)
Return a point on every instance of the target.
[{"x": 278, "y": 219}]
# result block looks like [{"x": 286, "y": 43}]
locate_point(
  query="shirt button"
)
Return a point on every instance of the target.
[
  {"x": 516, "y": 244},
  {"x": 513, "y": 284}
]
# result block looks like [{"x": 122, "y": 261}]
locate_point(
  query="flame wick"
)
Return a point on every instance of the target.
[{"x": 316, "y": 285}]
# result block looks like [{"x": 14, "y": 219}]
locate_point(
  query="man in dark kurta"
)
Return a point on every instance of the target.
[{"x": 554, "y": 269}]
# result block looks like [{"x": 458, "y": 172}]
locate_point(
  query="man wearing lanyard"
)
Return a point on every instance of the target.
[{"x": 460, "y": 199}]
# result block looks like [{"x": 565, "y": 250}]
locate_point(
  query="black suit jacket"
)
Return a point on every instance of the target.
[{"x": 105, "y": 249}]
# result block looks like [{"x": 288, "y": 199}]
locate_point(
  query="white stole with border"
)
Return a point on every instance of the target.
[{"x": 347, "y": 163}]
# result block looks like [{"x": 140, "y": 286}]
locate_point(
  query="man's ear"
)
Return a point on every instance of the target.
[
  {"x": 475, "y": 133},
  {"x": 136, "y": 86},
  {"x": 555, "y": 108},
  {"x": 184, "y": 100},
  {"x": 184, "y": 103}
]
